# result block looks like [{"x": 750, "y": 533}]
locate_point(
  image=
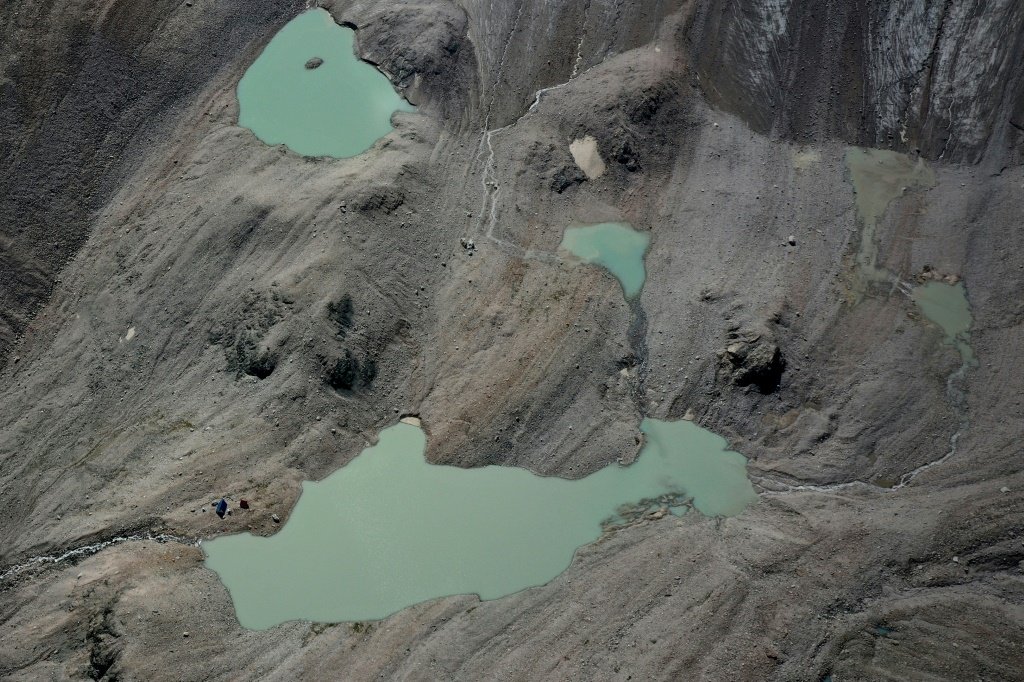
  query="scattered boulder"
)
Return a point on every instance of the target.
[
  {"x": 341, "y": 313},
  {"x": 565, "y": 177},
  {"x": 625, "y": 153},
  {"x": 247, "y": 355},
  {"x": 753, "y": 359},
  {"x": 385, "y": 200},
  {"x": 930, "y": 273},
  {"x": 243, "y": 336},
  {"x": 555, "y": 168},
  {"x": 348, "y": 372},
  {"x": 342, "y": 375},
  {"x": 314, "y": 63},
  {"x": 261, "y": 365}
]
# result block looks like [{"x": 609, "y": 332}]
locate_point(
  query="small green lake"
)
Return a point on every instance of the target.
[
  {"x": 339, "y": 108},
  {"x": 946, "y": 306},
  {"x": 616, "y": 247},
  {"x": 389, "y": 530}
]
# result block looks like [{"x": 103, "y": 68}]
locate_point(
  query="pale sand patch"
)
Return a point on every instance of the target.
[
  {"x": 584, "y": 152},
  {"x": 802, "y": 160}
]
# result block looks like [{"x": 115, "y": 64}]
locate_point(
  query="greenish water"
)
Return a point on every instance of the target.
[
  {"x": 389, "y": 530},
  {"x": 878, "y": 177},
  {"x": 338, "y": 109},
  {"x": 946, "y": 305},
  {"x": 617, "y": 247}
]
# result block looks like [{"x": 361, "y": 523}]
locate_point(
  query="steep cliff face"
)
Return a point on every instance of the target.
[
  {"x": 941, "y": 78},
  {"x": 233, "y": 319}
]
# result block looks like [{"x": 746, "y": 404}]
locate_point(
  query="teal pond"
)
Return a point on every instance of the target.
[
  {"x": 946, "y": 306},
  {"x": 616, "y": 247},
  {"x": 340, "y": 108},
  {"x": 389, "y": 530}
]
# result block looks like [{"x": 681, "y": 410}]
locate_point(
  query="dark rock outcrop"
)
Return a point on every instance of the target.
[
  {"x": 753, "y": 359},
  {"x": 349, "y": 373}
]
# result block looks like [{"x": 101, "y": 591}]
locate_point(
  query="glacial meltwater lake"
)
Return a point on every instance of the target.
[
  {"x": 616, "y": 247},
  {"x": 389, "y": 530},
  {"x": 878, "y": 177},
  {"x": 340, "y": 108},
  {"x": 946, "y": 306}
]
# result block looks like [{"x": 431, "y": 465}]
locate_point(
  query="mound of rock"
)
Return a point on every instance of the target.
[{"x": 753, "y": 359}]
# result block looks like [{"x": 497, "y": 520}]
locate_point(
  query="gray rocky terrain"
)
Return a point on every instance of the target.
[{"x": 186, "y": 312}]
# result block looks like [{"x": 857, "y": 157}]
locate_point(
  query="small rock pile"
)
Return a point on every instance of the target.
[{"x": 753, "y": 359}]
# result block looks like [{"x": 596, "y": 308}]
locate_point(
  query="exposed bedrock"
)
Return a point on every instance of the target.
[
  {"x": 752, "y": 358},
  {"x": 941, "y": 78}
]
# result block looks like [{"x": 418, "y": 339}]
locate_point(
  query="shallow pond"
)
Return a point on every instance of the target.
[
  {"x": 617, "y": 247},
  {"x": 389, "y": 530},
  {"x": 339, "y": 108},
  {"x": 946, "y": 306},
  {"x": 879, "y": 176}
]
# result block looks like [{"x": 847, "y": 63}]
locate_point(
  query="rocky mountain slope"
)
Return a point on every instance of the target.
[{"x": 177, "y": 298}]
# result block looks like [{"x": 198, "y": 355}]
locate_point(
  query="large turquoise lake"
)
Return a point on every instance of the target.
[
  {"x": 389, "y": 529},
  {"x": 339, "y": 108}
]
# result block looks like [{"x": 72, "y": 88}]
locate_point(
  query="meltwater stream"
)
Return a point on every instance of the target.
[{"x": 389, "y": 529}]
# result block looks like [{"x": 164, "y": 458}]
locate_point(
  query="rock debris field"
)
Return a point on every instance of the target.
[{"x": 825, "y": 205}]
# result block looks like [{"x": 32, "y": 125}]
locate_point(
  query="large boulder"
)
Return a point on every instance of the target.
[{"x": 753, "y": 359}]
